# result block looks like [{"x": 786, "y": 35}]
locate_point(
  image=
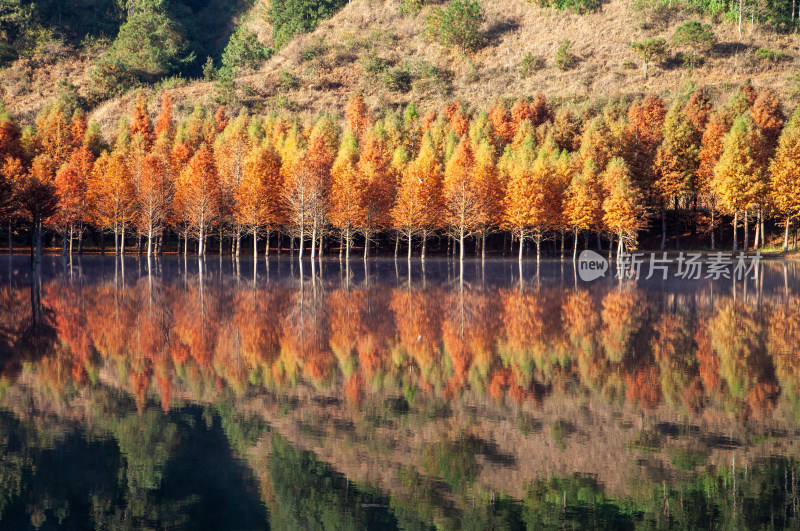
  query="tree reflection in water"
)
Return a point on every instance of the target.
[{"x": 391, "y": 395}]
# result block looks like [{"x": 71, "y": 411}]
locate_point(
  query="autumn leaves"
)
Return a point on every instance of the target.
[{"x": 533, "y": 170}]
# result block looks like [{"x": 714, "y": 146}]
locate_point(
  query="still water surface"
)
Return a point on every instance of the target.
[{"x": 185, "y": 395}]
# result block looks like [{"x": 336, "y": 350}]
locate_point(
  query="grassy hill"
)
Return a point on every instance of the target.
[{"x": 381, "y": 49}]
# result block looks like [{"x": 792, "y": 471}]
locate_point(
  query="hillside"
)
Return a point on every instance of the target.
[{"x": 377, "y": 49}]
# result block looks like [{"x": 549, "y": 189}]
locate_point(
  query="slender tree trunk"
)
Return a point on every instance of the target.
[
  {"x": 396, "y": 243},
  {"x": 366, "y": 243},
  {"x": 314, "y": 239},
  {"x": 563, "y": 237},
  {"x": 741, "y": 2},
  {"x": 735, "y": 226},
  {"x": 221, "y": 241},
  {"x": 347, "y": 244},
  {"x": 116, "y": 240},
  {"x": 663, "y": 227},
  {"x": 713, "y": 226},
  {"x": 39, "y": 242},
  {"x": 409, "y": 244},
  {"x": 201, "y": 241},
  {"x": 302, "y": 237},
  {"x": 255, "y": 243},
  {"x": 761, "y": 224},
  {"x": 64, "y": 239},
  {"x": 185, "y": 243},
  {"x": 150, "y": 241},
  {"x": 321, "y": 240},
  {"x": 575, "y": 246},
  {"x": 33, "y": 243},
  {"x": 80, "y": 239},
  {"x": 757, "y": 239},
  {"x": 424, "y": 243},
  {"x": 122, "y": 240},
  {"x": 483, "y": 244},
  {"x": 461, "y": 250},
  {"x": 746, "y": 232},
  {"x": 538, "y": 247},
  {"x": 521, "y": 245},
  {"x": 71, "y": 237},
  {"x": 269, "y": 234},
  {"x": 786, "y": 234},
  {"x": 10, "y": 238},
  {"x": 239, "y": 242}
]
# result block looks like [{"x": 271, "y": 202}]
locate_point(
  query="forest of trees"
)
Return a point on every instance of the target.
[{"x": 528, "y": 172}]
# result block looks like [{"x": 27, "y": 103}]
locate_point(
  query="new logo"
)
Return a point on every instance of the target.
[{"x": 591, "y": 266}]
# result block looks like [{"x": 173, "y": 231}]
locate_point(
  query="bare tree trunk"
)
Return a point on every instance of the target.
[
  {"x": 746, "y": 232},
  {"x": 39, "y": 242},
  {"x": 424, "y": 243},
  {"x": 366, "y": 243},
  {"x": 302, "y": 237},
  {"x": 396, "y": 243},
  {"x": 786, "y": 234},
  {"x": 757, "y": 240},
  {"x": 741, "y": 2},
  {"x": 314, "y": 238},
  {"x": 150, "y": 241},
  {"x": 201, "y": 241},
  {"x": 33, "y": 243},
  {"x": 663, "y": 227},
  {"x": 80, "y": 240},
  {"x": 321, "y": 239},
  {"x": 116, "y": 240},
  {"x": 575, "y": 245},
  {"x": 735, "y": 226},
  {"x": 255, "y": 243},
  {"x": 122, "y": 240},
  {"x": 483, "y": 245},
  {"x": 409, "y": 244},
  {"x": 521, "y": 245},
  {"x": 461, "y": 244},
  {"x": 713, "y": 226}
]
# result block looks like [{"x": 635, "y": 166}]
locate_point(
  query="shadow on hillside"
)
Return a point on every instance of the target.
[
  {"x": 729, "y": 49},
  {"x": 498, "y": 28}
]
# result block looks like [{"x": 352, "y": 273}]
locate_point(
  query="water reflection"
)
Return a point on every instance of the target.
[{"x": 170, "y": 393}]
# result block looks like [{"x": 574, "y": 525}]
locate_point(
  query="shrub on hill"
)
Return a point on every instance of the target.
[
  {"x": 291, "y": 17},
  {"x": 457, "y": 25}
]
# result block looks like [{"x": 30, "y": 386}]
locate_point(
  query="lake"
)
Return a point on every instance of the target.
[{"x": 178, "y": 394}]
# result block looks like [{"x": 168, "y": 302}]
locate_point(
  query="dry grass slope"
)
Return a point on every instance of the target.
[{"x": 374, "y": 48}]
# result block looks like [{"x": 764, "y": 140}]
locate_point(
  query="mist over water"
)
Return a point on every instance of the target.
[{"x": 394, "y": 394}]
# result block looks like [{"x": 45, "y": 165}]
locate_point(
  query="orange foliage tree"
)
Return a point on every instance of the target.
[{"x": 198, "y": 195}]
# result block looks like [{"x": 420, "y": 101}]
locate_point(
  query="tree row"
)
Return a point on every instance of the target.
[{"x": 533, "y": 171}]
